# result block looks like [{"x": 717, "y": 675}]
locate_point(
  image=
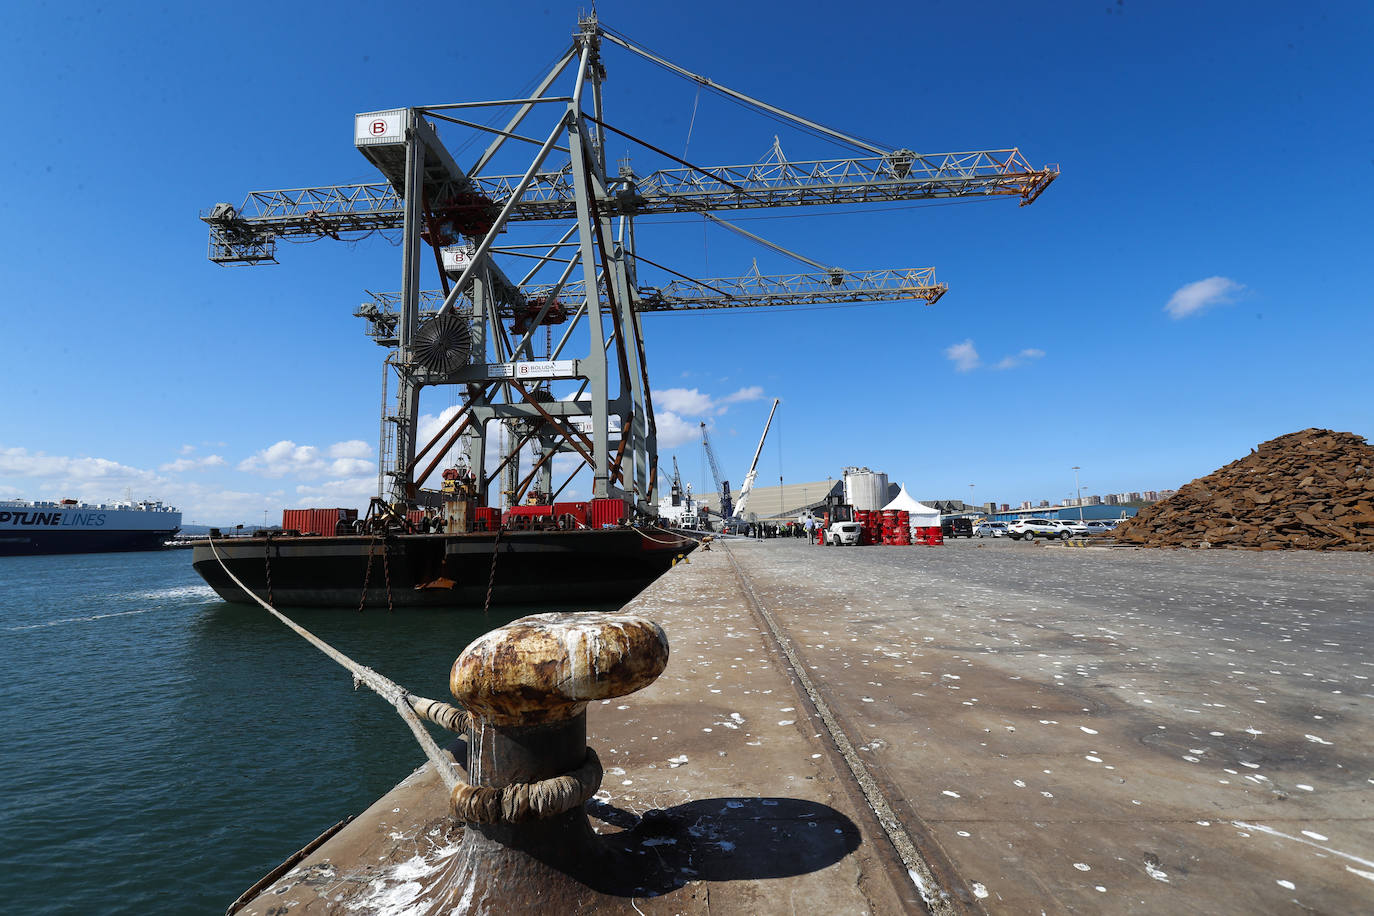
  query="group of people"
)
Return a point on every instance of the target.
[{"x": 763, "y": 530}]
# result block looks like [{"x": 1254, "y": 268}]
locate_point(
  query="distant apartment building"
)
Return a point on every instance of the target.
[
  {"x": 1111, "y": 499},
  {"x": 1044, "y": 504},
  {"x": 1151, "y": 495},
  {"x": 1093, "y": 500}
]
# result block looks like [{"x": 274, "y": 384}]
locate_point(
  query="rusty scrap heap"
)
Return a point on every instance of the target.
[{"x": 1309, "y": 490}]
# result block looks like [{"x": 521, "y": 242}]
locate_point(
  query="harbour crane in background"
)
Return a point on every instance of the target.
[
  {"x": 748, "y": 486},
  {"x": 477, "y": 333},
  {"x": 676, "y": 492},
  {"x": 722, "y": 485}
]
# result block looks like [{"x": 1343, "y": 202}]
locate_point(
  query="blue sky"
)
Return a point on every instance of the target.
[{"x": 1197, "y": 281}]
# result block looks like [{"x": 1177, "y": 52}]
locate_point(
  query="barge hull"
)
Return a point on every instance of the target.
[{"x": 595, "y": 567}]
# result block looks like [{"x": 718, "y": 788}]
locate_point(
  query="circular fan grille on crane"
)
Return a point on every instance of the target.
[{"x": 443, "y": 343}]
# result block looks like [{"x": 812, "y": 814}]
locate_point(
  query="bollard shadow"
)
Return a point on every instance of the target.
[{"x": 718, "y": 839}]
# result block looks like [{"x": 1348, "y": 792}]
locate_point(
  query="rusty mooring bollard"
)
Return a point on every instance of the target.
[{"x": 527, "y": 843}]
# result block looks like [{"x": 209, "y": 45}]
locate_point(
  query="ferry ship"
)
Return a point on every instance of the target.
[{"x": 68, "y": 526}]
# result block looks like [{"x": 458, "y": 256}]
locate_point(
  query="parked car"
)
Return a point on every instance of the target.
[
  {"x": 1101, "y": 525},
  {"x": 1032, "y": 528},
  {"x": 991, "y": 530},
  {"x": 956, "y": 527},
  {"x": 1069, "y": 528}
]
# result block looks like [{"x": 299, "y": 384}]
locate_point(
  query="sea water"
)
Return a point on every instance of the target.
[{"x": 161, "y": 750}]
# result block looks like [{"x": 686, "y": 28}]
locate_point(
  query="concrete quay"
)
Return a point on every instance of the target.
[{"x": 984, "y": 727}]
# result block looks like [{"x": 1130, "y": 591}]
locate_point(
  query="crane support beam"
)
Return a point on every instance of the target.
[{"x": 245, "y": 233}]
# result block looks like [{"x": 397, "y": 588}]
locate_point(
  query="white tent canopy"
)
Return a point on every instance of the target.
[{"x": 922, "y": 516}]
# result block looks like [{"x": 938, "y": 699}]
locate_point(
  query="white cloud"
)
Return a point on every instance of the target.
[
  {"x": 348, "y": 493},
  {"x": 191, "y": 464},
  {"x": 1020, "y": 359},
  {"x": 674, "y": 430},
  {"x": 691, "y": 402},
  {"x": 1194, "y": 297},
  {"x": 751, "y": 393},
  {"x": 187, "y": 449},
  {"x": 286, "y": 458},
  {"x": 351, "y": 467},
  {"x": 429, "y": 425},
  {"x": 353, "y": 448},
  {"x": 688, "y": 401},
  {"x": 20, "y": 462},
  {"x": 964, "y": 356}
]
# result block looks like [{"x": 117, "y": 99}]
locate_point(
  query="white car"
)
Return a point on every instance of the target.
[
  {"x": 1069, "y": 528},
  {"x": 991, "y": 530},
  {"x": 1032, "y": 528}
]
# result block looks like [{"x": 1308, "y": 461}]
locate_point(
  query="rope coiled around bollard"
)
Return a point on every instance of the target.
[{"x": 530, "y": 801}]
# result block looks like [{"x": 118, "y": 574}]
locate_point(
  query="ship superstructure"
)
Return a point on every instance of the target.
[{"x": 68, "y": 526}]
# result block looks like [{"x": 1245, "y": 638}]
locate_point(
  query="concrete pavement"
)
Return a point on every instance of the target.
[{"x": 984, "y": 727}]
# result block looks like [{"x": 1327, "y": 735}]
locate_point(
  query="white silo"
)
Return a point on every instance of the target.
[{"x": 865, "y": 489}]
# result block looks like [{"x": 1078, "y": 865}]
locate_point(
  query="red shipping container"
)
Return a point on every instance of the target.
[
  {"x": 607, "y": 512},
  {"x": 315, "y": 521},
  {"x": 486, "y": 518},
  {"x": 296, "y": 520}
]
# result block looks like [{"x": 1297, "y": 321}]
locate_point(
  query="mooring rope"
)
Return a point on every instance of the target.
[
  {"x": 405, "y": 702},
  {"x": 528, "y": 801},
  {"x": 656, "y": 540},
  {"x": 476, "y": 804}
]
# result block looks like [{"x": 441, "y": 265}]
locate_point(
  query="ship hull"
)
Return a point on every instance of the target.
[
  {"x": 603, "y": 568},
  {"x": 33, "y": 543}
]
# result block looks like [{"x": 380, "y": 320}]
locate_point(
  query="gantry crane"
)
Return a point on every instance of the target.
[{"x": 478, "y": 331}]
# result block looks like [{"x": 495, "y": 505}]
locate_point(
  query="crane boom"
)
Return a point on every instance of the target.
[
  {"x": 247, "y": 233},
  {"x": 722, "y": 485},
  {"x": 750, "y": 291},
  {"x": 748, "y": 487}
]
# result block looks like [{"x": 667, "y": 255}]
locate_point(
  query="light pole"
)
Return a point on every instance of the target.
[
  {"x": 1078, "y": 491},
  {"x": 970, "y": 498}
]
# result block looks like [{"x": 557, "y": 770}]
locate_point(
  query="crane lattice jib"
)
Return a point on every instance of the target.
[
  {"x": 750, "y": 291},
  {"x": 758, "y": 291},
  {"x": 246, "y": 232}
]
